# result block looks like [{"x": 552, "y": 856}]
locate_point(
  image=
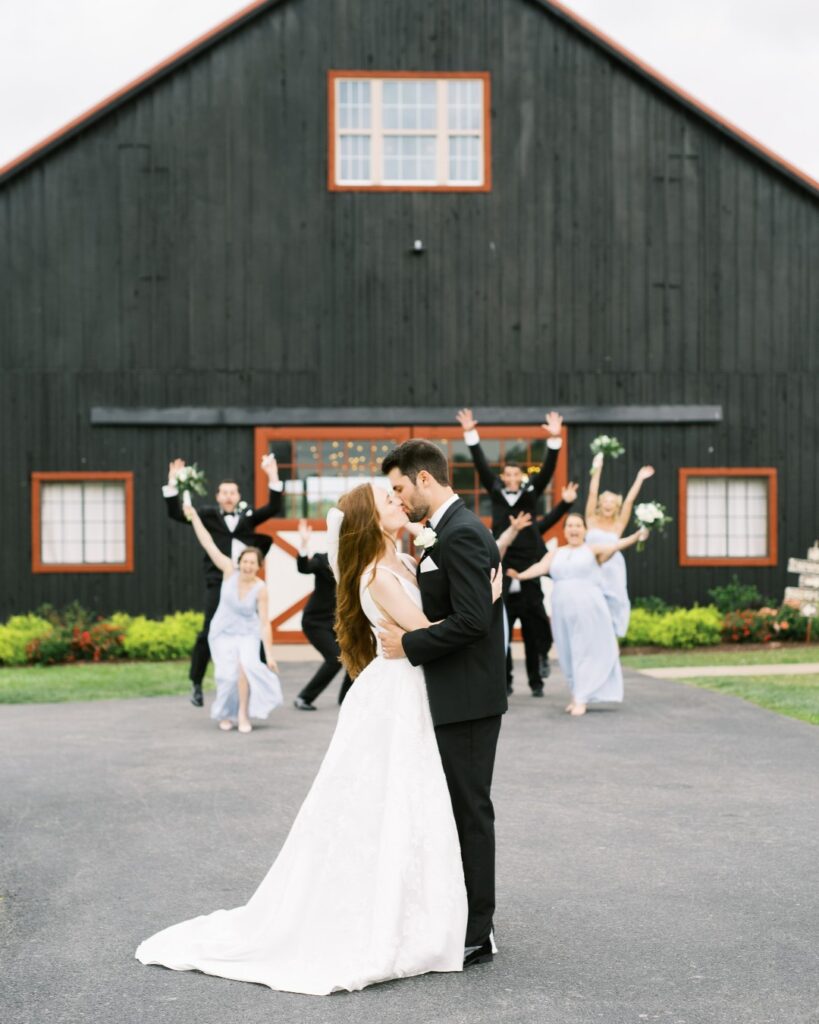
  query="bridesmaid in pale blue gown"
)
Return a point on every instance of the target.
[
  {"x": 607, "y": 515},
  {"x": 587, "y": 647}
]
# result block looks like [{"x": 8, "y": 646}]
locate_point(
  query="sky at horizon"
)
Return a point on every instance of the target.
[{"x": 754, "y": 63}]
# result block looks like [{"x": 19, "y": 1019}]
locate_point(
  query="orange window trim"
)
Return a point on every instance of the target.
[
  {"x": 686, "y": 473},
  {"x": 37, "y": 564},
  {"x": 334, "y": 186}
]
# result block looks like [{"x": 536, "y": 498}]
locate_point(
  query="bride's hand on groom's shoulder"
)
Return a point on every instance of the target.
[{"x": 496, "y": 576}]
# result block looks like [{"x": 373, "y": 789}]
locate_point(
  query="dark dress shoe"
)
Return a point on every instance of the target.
[
  {"x": 538, "y": 692},
  {"x": 303, "y": 705},
  {"x": 545, "y": 667},
  {"x": 478, "y": 954},
  {"x": 196, "y": 695}
]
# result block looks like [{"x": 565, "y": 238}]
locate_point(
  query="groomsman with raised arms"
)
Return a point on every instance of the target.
[
  {"x": 231, "y": 523},
  {"x": 512, "y": 494}
]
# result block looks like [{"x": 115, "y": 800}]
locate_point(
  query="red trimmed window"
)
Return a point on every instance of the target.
[
  {"x": 728, "y": 516},
  {"x": 408, "y": 131},
  {"x": 82, "y": 522}
]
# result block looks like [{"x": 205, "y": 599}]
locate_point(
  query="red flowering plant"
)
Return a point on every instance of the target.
[{"x": 762, "y": 625}]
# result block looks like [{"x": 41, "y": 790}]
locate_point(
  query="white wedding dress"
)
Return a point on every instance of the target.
[{"x": 369, "y": 884}]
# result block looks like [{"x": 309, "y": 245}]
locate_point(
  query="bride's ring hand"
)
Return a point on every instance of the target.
[{"x": 496, "y": 577}]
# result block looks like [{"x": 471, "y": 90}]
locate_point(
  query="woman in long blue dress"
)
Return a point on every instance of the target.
[
  {"x": 245, "y": 688},
  {"x": 587, "y": 646},
  {"x": 607, "y": 516}
]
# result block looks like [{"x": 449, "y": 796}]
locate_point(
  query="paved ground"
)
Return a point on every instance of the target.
[
  {"x": 702, "y": 671},
  {"x": 659, "y": 862}
]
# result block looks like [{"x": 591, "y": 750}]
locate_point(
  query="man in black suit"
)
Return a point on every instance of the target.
[
  {"x": 511, "y": 494},
  {"x": 317, "y": 621},
  {"x": 231, "y": 524},
  {"x": 463, "y": 659}
]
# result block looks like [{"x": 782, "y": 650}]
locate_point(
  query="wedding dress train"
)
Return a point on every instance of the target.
[{"x": 369, "y": 884}]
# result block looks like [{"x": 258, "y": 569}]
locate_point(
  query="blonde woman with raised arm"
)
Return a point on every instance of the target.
[
  {"x": 607, "y": 516},
  {"x": 586, "y": 644},
  {"x": 245, "y": 688}
]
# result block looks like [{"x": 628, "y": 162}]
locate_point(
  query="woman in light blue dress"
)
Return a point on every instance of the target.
[
  {"x": 245, "y": 687},
  {"x": 587, "y": 647},
  {"x": 607, "y": 515}
]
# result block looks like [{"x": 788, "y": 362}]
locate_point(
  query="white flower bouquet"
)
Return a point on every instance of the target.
[
  {"x": 190, "y": 479},
  {"x": 605, "y": 445},
  {"x": 651, "y": 515}
]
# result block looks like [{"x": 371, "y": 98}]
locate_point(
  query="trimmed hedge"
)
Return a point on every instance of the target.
[
  {"x": 17, "y": 634},
  {"x": 159, "y": 640},
  {"x": 680, "y": 627}
]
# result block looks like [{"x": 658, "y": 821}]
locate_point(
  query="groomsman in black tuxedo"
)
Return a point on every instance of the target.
[
  {"x": 231, "y": 523},
  {"x": 510, "y": 495},
  {"x": 462, "y": 654},
  {"x": 317, "y": 621}
]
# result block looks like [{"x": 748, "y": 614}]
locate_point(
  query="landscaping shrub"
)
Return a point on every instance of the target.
[
  {"x": 160, "y": 640},
  {"x": 651, "y": 604},
  {"x": 101, "y": 641},
  {"x": 17, "y": 634},
  {"x": 762, "y": 625},
  {"x": 680, "y": 627},
  {"x": 736, "y": 596}
]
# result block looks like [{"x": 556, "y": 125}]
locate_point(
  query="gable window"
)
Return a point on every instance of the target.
[
  {"x": 415, "y": 131},
  {"x": 728, "y": 517},
  {"x": 82, "y": 522}
]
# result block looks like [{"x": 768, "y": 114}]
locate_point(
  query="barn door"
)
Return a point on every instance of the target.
[{"x": 317, "y": 464}]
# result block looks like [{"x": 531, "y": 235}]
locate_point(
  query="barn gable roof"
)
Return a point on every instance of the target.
[{"x": 553, "y": 7}]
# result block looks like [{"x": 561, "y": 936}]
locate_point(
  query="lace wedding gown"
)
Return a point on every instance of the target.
[{"x": 369, "y": 884}]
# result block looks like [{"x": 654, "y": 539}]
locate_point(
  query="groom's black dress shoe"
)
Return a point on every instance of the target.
[
  {"x": 537, "y": 693},
  {"x": 196, "y": 695},
  {"x": 303, "y": 705},
  {"x": 478, "y": 954}
]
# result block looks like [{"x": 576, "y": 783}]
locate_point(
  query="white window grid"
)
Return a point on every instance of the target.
[
  {"x": 426, "y": 132},
  {"x": 727, "y": 517},
  {"x": 82, "y": 523}
]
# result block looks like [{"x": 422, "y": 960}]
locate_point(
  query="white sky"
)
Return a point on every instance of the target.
[{"x": 755, "y": 62}]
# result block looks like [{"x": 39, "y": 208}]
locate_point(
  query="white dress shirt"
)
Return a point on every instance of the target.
[{"x": 438, "y": 515}]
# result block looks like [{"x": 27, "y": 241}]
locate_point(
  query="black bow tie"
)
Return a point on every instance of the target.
[{"x": 234, "y": 513}]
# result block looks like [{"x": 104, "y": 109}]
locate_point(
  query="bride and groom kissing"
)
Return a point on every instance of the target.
[{"x": 389, "y": 868}]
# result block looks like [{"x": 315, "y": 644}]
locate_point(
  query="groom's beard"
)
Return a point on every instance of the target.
[{"x": 416, "y": 513}]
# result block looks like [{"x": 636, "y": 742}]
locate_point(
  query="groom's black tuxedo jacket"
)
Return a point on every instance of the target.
[
  {"x": 214, "y": 523},
  {"x": 463, "y": 657}
]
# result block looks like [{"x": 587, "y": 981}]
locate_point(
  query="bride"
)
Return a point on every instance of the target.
[{"x": 369, "y": 884}]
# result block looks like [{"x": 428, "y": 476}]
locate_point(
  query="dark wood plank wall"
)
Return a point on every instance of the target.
[{"x": 184, "y": 250}]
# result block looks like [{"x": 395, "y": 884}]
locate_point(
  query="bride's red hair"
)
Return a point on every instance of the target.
[{"x": 360, "y": 544}]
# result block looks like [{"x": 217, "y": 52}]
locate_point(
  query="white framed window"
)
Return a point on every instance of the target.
[
  {"x": 728, "y": 516},
  {"x": 405, "y": 131},
  {"x": 82, "y": 523}
]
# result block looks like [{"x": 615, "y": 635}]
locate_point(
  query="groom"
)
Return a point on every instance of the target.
[{"x": 464, "y": 661}]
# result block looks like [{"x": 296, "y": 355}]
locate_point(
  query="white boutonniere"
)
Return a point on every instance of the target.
[
  {"x": 243, "y": 509},
  {"x": 426, "y": 538}
]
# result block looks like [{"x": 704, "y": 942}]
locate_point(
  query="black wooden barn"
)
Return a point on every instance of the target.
[{"x": 328, "y": 223}]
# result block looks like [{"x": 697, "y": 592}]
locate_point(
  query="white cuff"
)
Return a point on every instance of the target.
[
  {"x": 170, "y": 491},
  {"x": 471, "y": 438},
  {"x": 278, "y": 486},
  {"x": 554, "y": 443}
]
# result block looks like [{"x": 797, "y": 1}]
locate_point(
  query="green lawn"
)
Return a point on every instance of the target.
[
  {"x": 792, "y": 654},
  {"x": 795, "y": 696},
  {"x": 84, "y": 681}
]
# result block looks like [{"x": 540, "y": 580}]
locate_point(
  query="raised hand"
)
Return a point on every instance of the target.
[
  {"x": 645, "y": 472},
  {"x": 173, "y": 468},
  {"x": 189, "y": 512},
  {"x": 520, "y": 521},
  {"x": 305, "y": 529},
  {"x": 643, "y": 534},
  {"x": 271, "y": 467},
  {"x": 553, "y": 424},
  {"x": 466, "y": 419},
  {"x": 569, "y": 492},
  {"x": 496, "y": 577},
  {"x": 597, "y": 461}
]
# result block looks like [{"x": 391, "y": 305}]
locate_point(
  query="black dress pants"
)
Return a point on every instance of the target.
[
  {"x": 321, "y": 635},
  {"x": 527, "y": 607},
  {"x": 201, "y": 651},
  {"x": 468, "y": 756}
]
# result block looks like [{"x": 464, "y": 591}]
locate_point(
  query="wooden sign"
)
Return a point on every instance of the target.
[
  {"x": 803, "y": 565},
  {"x": 801, "y": 594},
  {"x": 809, "y": 581}
]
